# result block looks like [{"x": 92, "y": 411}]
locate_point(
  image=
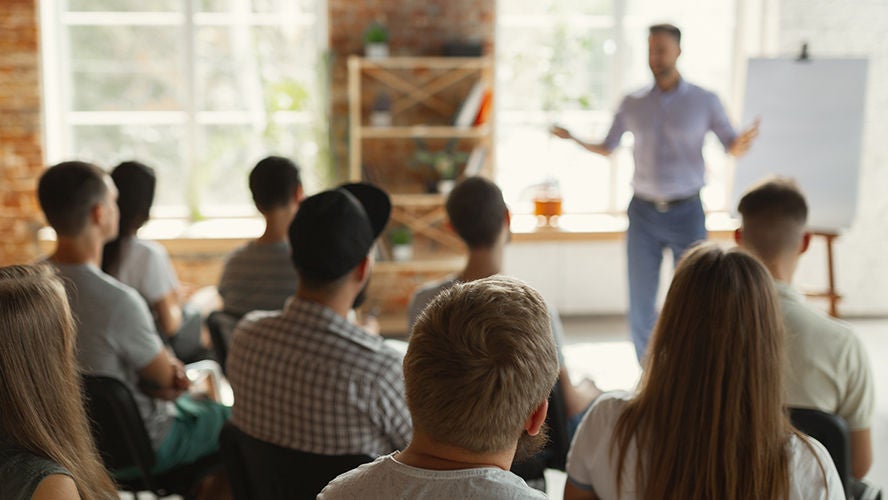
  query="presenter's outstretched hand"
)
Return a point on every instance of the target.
[
  {"x": 743, "y": 141},
  {"x": 561, "y": 132}
]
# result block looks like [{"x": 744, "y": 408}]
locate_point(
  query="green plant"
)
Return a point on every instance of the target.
[
  {"x": 376, "y": 33},
  {"x": 401, "y": 235},
  {"x": 442, "y": 164}
]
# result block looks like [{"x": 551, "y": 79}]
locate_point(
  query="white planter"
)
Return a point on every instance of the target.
[
  {"x": 446, "y": 186},
  {"x": 380, "y": 119},
  {"x": 402, "y": 253},
  {"x": 376, "y": 50}
]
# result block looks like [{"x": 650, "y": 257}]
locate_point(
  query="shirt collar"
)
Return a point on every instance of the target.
[
  {"x": 297, "y": 309},
  {"x": 787, "y": 292},
  {"x": 679, "y": 88}
]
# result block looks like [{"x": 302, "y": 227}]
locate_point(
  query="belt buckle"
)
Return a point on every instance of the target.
[{"x": 662, "y": 206}]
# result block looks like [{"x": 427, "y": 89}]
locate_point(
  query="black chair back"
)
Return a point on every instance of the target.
[
  {"x": 831, "y": 431},
  {"x": 258, "y": 469},
  {"x": 221, "y": 326},
  {"x": 117, "y": 426}
]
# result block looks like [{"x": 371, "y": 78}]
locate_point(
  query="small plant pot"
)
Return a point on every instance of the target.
[
  {"x": 380, "y": 119},
  {"x": 376, "y": 50},
  {"x": 402, "y": 253},
  {"x": 445, "y": 186}
]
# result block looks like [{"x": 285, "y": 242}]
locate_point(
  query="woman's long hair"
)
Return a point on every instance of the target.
[
  {"x": 41, "y": 407},
  {"x": 135, "y": 186},
  {"x": 709, "y": 420}
]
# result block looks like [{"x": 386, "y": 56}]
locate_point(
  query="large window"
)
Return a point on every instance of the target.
[
  {"x": 571, "y": 62},
  {"x": 198, "y": 89}
]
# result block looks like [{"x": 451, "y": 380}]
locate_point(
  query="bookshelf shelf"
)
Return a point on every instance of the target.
[{"x": 434, "y": 105}]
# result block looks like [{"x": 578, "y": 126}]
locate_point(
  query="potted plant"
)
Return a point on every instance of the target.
[
  {"x": 381, "y": 112},
  {"x": 443, "y": 165},
  {"x": 401, "y": 239},
  {"x": 376, "y": 40}
]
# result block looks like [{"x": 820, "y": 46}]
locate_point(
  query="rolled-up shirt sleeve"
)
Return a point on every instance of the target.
[{"x": 618, "y": 127}]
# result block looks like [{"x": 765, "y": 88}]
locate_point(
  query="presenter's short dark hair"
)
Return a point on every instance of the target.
[
  {"x": 669, "y": 29},
  {"x": 476, "y": 210},
  {"x": 273, "y": 181},
  {"x": 67, "y": 193}
]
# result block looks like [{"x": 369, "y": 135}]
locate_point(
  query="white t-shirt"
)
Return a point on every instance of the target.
[
  {"x": 145, "y": 266},
  {"x": 590, "y": 466},
  {"x": 386, "y": 478}
]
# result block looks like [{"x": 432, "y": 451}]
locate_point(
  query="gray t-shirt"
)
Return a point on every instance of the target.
[
  {"x": 387, "y": 478},
  {"x": 146, "y": 266},
  {"x": 21, "y": 472},
  {"x": 258, "y": 277},
  {"x": 429, "y": 291},
  {"x": 116, "y": 337}
]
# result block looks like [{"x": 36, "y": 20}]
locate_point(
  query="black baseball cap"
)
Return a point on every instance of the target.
[{"x": 335, "y": 229}]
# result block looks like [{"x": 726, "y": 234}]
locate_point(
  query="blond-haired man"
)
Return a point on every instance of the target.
[{"x": 478, "y": 372}]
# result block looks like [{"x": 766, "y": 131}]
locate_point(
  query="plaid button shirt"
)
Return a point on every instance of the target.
[{"x": 306, "y": 378}]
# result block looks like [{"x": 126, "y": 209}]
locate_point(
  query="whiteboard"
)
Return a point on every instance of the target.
[{"x": 811, "y": 130}]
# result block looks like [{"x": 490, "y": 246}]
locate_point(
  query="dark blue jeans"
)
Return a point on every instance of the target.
[{"x": 650, "y": 232}]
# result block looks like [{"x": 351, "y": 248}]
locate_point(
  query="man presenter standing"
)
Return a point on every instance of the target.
[{"x": 669, "y": 121}]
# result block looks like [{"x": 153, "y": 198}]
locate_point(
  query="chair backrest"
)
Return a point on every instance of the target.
[
  {"x": 832, "y": 432},
  {"x": 221, "y": 326},
  {"x": 258, "y": 469},
  {"x": 117, "y": 426}
]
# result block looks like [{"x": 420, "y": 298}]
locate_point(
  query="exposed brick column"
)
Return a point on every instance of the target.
[{"x": 21, "y": 152}]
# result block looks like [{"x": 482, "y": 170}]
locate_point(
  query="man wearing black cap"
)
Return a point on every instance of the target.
[{"x": 306, "y": 378}]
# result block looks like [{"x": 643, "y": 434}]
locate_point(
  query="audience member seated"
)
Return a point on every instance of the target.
[
  {"x": 260, "y": 275},
  {"x": 478, "y": 371},
  {"x": 708, "y": 420},
  {"x": 116, "y": 336},
  {"x": 46, "y": 450},
  {"x": 479, "y": 215},
  {"x": 145, "y": 265},
  {"x": 829, "y": 369},
  {"x": 306, "y": 378}
]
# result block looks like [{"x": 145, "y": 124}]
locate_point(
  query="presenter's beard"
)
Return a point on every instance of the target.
[
  {"x": 362, "y": 296},
  {"x": 529, "y": 446}
]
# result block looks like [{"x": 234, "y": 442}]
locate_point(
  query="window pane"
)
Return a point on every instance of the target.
[
  {"x": 160, "y": 147},
  {"x": 125, "y": 5},
  {"x": 126, "y": 68}
]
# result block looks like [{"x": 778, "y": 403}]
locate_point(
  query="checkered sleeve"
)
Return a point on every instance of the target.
[{"x": 392, "y": 409}]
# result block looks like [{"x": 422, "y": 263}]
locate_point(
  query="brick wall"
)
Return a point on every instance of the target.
[{"x": 21, "y": 153}]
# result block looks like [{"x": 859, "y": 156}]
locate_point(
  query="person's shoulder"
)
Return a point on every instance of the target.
[
  {"x": 804, "y": 319},
  {"x": 607, "y": 407},
  {"x": 356, "y": 482},
  {"x": 812, "y": 467}
]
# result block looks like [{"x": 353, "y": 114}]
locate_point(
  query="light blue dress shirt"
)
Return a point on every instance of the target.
[{"x": 669, "y": 128}]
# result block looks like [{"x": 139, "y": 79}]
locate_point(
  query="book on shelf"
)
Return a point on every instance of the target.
[
  {"x": 485, "y": 108},
  {"x": 475, "y": 161},
  {"x": 468, "y": 112}
]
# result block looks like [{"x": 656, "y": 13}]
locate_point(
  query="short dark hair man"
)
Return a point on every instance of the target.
[
  {"x": 829, "y": 368},
  {"x": 669, "y": 121},
  {"x": 478, "y": 214},
  {"x": 259, "y": 275},
  {"x": 116, "y": 335},
  {"x": 306, "y": 378},
  {"x": 478, "y": 372}
]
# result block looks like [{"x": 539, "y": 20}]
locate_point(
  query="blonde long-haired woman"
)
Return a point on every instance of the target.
[
  {"x": 46, "y": 450},
  {"x": 708, "y": 420}
]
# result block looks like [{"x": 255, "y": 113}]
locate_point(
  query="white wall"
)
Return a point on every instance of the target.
[{"x": 590, "y": 277}]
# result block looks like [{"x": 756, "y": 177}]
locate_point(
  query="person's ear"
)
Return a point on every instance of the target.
[
  {"x": 536, "y": 419},
  {"x": 298, "y": 194},
  {"x": 449, "y": 226},
  {"x": 98, "y": 213},
  {"x": 738, "y": 236},
  {"x": 362, "y": 272},
  {"x": 508, "y": 220},
  {"x": 806, "y": 242}
]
